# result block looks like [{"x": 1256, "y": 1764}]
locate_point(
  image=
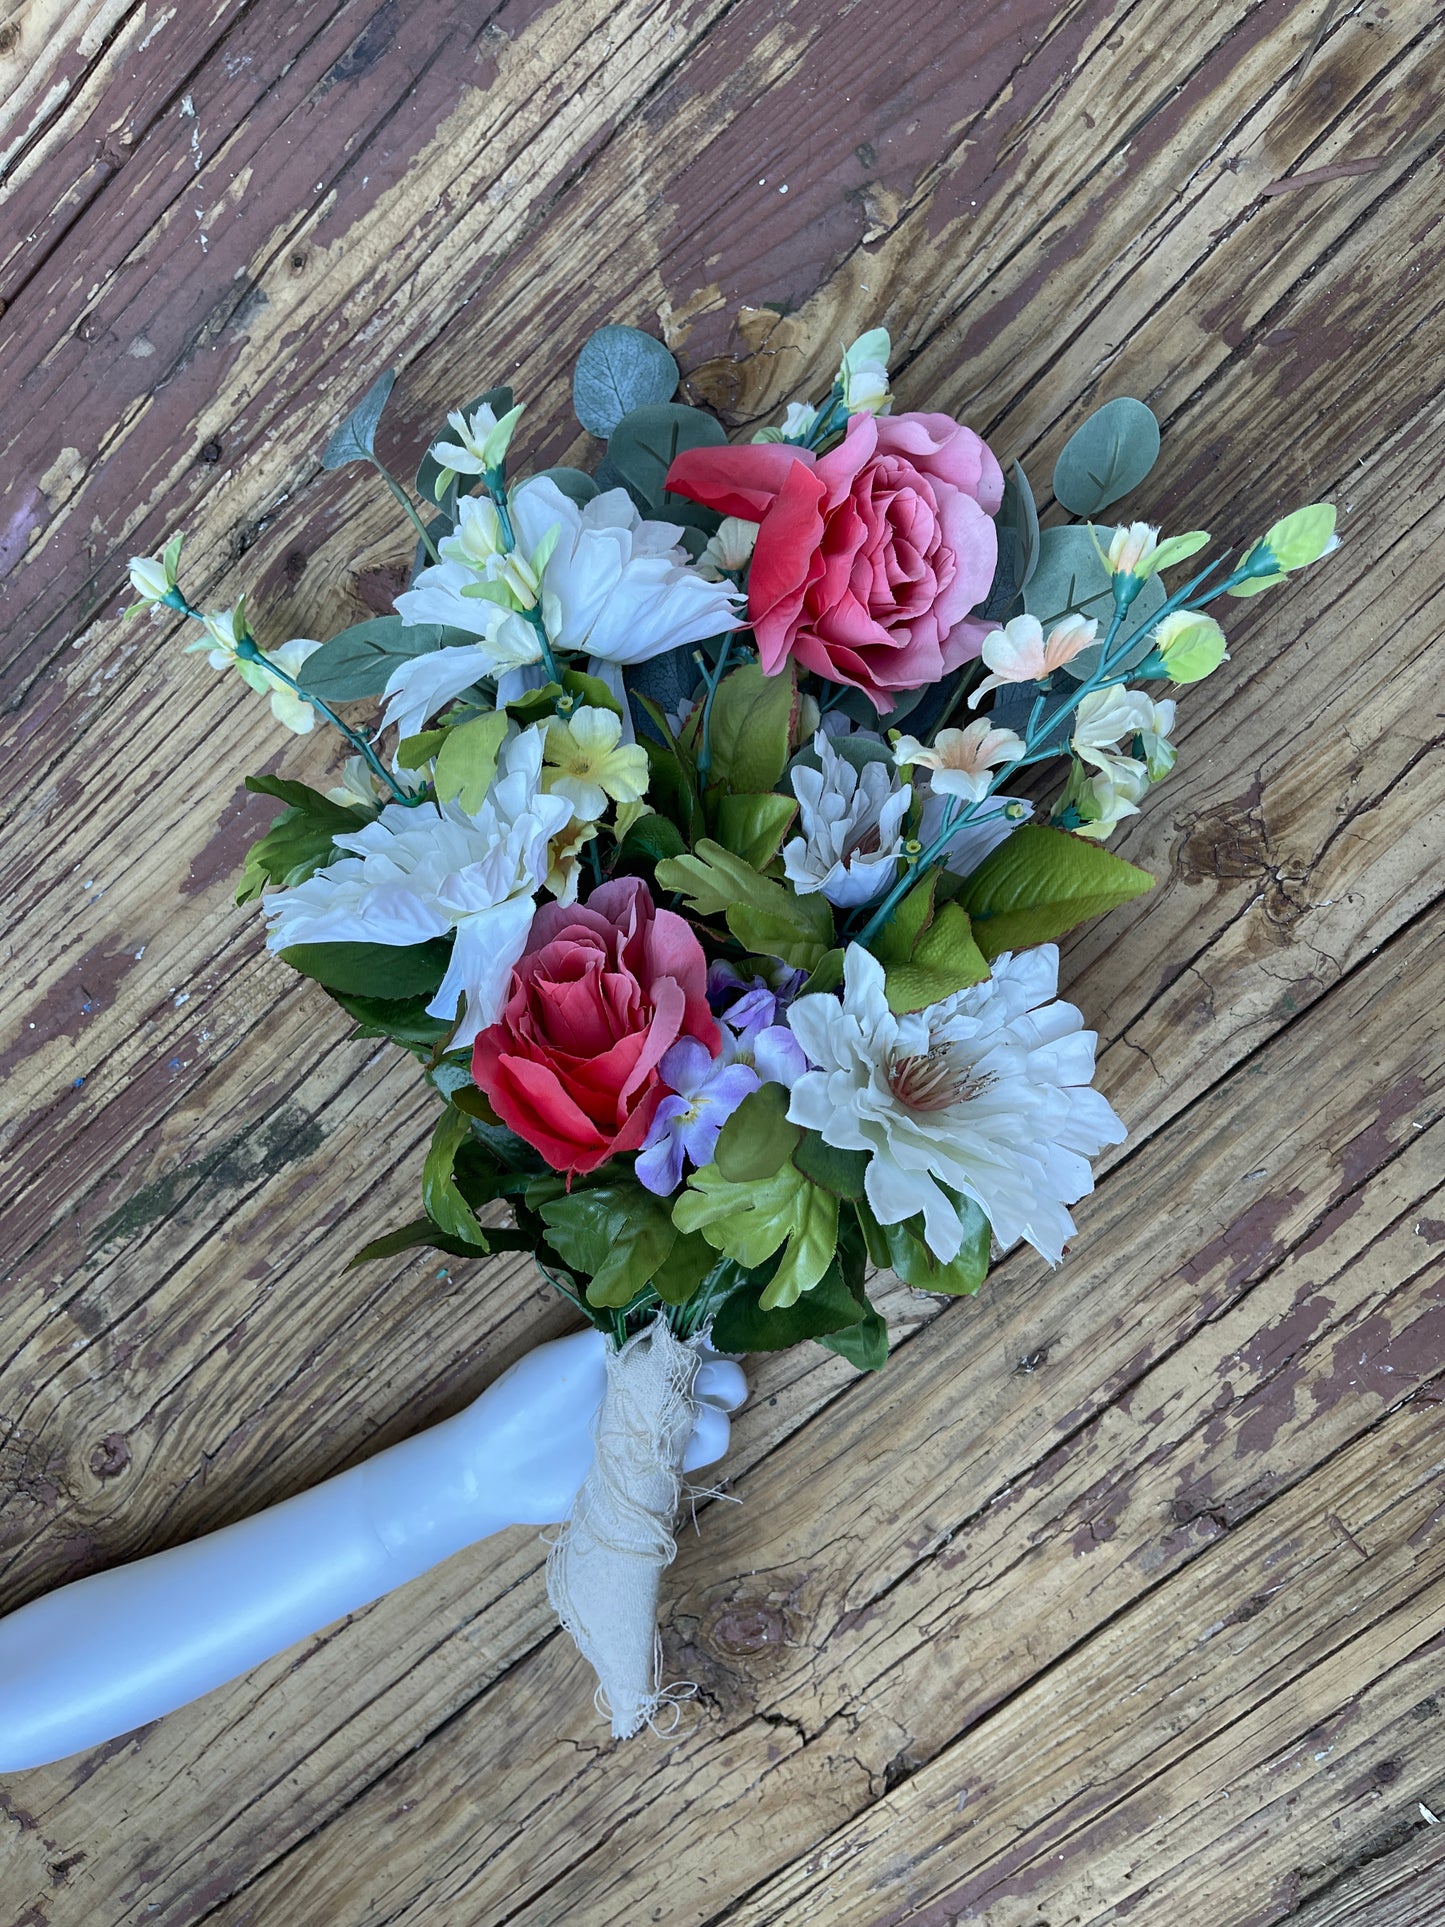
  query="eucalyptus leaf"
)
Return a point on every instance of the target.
[
  {"x": 361, "y": 660},
  {"x": 1071, "y": 579},
  {"x": 1112, "y": 453},
  {"x": 574, "y": 484},
  {"x": 620, "y": 369},
  {"x": 355, "y": 439},
  {"x": 646, "y": 442}
]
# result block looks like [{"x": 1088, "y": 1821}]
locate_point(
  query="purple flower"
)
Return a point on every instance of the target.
[
  {"x": 706, "y": 1090},
  {"x": 752, "y": 1035}
]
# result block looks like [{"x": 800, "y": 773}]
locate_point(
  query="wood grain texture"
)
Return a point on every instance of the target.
[{"x": 1118, "y": 1595}]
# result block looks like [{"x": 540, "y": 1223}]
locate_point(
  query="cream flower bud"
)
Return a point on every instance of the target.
[
  {"x": 863, "y": 374},
  {"x": 1190, "y": 646},
  {"x": 798, "y": 421},
  {"x": 729, "y": 549},
  {"x": 1132, "y": 549}
]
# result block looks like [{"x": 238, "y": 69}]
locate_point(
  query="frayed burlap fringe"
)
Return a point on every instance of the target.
[{"x": 605, "y": 1567}]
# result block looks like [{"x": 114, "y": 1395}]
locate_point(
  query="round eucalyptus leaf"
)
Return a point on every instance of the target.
[
  {"x": 573, "y": 483},
  {"x": 1112, "y": 453},
  {"x": 644, "y": 445},
  {"x": 359, "y": 661},
  {"x": 620, "y": 369}
]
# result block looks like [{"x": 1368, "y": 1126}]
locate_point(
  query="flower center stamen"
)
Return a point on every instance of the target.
[{"x": 930, "y": 1082}]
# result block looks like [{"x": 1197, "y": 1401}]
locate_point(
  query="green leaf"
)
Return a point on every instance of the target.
[
  {"x": 415, "y": 752},
  {"x": 301, "y": 796},
  {"x": 590, "y": 690},
  {"x": 747, "y": 1222},
  {"x": 901, "y": 1249},
  {"x": 1071, "y": 577},
  {"x": 441, "y": 1199},
  {"x": 945, "y": 959},
  {"x": 753, "y": 827},
  {"x": 798, "y": 931},
  {"x": 684, "y": 1268},
  {"x": 1042, "y": 882},
  {"x": 403, "y": 1019},
  {"x": 620, "y": 369},
  {"x": 840, "y": 1172},
  {"x": 429, "y": 475},
  {"x": 742, "y": 1324},
  {"x": 646, "y": 442},
  {"x": 467, "y": 760},
  {"x": 574, "y": 484},
  {"x": 298, "y": 842},
  {"x": 372, "y": 969},
  {"x": 757, "y": 1139},
  {"x": 355, "y": 439},
  {"x": 360, "y": 661},
  {"x": 752, "y": 715},
  {"x": 827, "y": 974},
  {"x": 864, "y": 1345},
  {"x": 652, "y": 838},
  {"x": 894, "y": 942},
  {"x": 1112, "y": 453},
  {"x": 410, "y": 1237},
  {"x": 618, "y": 1235},
  {"x": 711, "y": 878}
]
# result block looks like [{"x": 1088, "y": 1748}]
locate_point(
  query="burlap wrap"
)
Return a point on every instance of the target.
[{"x": 606, "y": 1565}]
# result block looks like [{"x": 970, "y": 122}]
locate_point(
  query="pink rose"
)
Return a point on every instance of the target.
[
  {"x": 601, "y": 991},
  {"x": 869, "y": 558}
]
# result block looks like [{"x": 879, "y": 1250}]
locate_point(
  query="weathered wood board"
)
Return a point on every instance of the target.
[{"x": 1120, "y": 1594}]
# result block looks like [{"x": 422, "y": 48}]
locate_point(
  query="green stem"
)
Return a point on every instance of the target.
[
  {"x": 497, "y": 488},
  {"x": 247, "y": 651},
  {"x": 704, "y": 748},
  {"x": 404, "y": 500}
]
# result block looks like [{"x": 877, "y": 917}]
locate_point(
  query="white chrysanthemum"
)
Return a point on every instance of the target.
[
  {"x": 852, "y": 824},
  {"x": 987, "y": 1092},
  {"x": 420, "y": 871}
]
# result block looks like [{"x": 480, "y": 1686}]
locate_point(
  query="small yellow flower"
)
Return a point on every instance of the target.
[
  {"x": 564, "y": 859},
  {"x": 588, "y": 762}
]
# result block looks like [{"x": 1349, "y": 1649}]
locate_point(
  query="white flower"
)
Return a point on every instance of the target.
[
  {"x": 1104, "y": 799},
  {"x": 358, "y": 785},
  {"x": 798, "y": 422},
  {"x": 615, "y": 587},
  {"x": 1019, "y": 653},
  {"x": 289, "y": 709},
  {"x": 852, "y": 824},
  {"x": 1103, "y": 718},
  {"x": 149, "y": 578},
  {"x": 986, "y": 1092},
  {"x": 422, "y": 870},
  {"x": 961, "y": 762},
  {"x": 729, "y": 548},
  {"x": 1131, "y": 550},
  {"x": 417, "y": 688},
  {"x": 863, "y": 375},
  {"x": 481, "y": 441}
]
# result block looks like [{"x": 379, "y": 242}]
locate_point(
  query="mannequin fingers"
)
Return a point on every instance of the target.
[
  {"x": 720, "y": 1382},
  {"x": 709, "y": 1439}
]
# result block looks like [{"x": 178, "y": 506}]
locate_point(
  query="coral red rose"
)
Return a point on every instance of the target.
[
  {"x": 600, "y": 993},
  {"x": 869, "y": 558}
]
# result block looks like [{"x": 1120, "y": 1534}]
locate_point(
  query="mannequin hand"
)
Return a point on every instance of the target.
[{"x": 538, "y": 1418}]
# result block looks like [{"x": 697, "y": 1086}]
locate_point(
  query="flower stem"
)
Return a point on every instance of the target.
[
  {"x": 704, "y": 747},
  {"x": 404, "y": 501},
  {"x": 497, "y": 488},
  {"x": 247, "y": 651}
]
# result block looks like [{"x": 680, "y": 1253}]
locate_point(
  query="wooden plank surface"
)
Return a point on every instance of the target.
[{"x": 1119, "y": 1594}]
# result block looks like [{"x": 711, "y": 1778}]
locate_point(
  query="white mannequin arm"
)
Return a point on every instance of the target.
[{"x": 108, "y": 1653}]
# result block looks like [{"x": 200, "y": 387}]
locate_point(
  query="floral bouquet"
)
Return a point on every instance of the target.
[{"x": 719, "y": 919}]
